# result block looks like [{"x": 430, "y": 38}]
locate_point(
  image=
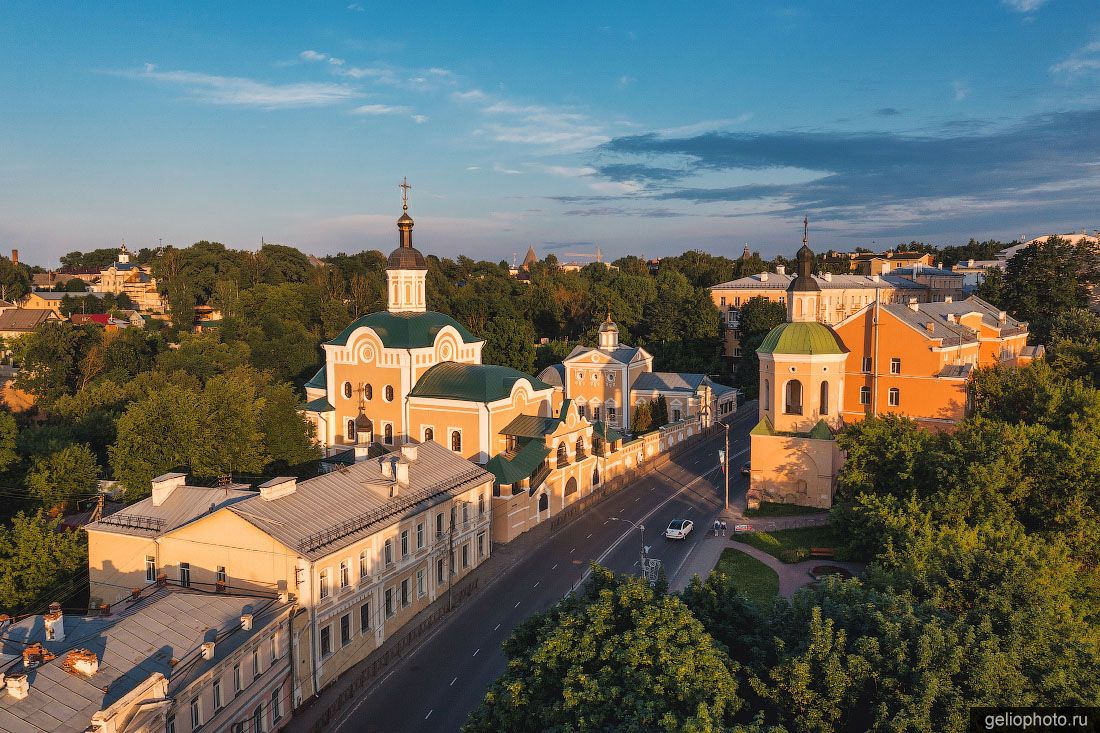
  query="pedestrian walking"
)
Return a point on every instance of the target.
[{"x": 723, "y": 528}]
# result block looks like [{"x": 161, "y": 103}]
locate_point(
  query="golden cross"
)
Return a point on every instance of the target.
[
  {"x": 805, "y": 229},
  {"x": 404, "y": 186}
]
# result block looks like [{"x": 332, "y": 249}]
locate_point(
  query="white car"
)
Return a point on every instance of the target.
[{"x": 678, "y": 529}]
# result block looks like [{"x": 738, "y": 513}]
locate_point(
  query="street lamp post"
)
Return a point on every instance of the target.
[{"x": 726, "y": 425}]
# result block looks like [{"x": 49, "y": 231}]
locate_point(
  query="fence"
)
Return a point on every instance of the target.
[{"x": 367, "y": 671}]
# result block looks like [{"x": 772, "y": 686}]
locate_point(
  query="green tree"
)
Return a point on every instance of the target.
[
  {"x": 9, "y": 432},
  {"x": 51, "y": 357},
  {"x": 15, "y": 280},
  {"x": 155, "y": 434},
  {"x": 621, "y": 657},
  {"x": 64, "y": 476},
  {"x": 885, "y": 455},
  {"x": 229, "y": 438},
  {"x": 659, "y": 412},
  {"x": 287, "y": 436},
  {"x": 641, "y": 418},
  {"x": 510, "y": 342},
  {"x": 1047, "y": 278},
  {"x": 38, "y": 562}
]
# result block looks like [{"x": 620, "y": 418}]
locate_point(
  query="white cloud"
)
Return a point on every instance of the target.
[
  {"x": 616, "y": 187},
  {"x": 960, "y": 90},
  {"x": 544, "y": 126},
  {"x": 310, "y": 55},
  {"x": 375, "y": 110},
  {"x": 1084, "y": 59},
  {"x": 420, "y": 119},
  {"x": 238, "y": 91},
  {"x": 705, "y": 126},
  {"x": 472, "y": 95},
  {"x": 357, "y": 8},
  {"x": 626, "y": 80},
  {"x": 473, "y": 167},
  {"x": 564, "y": 171},
  {"x": 506, "y": 171},
  {"x": 1024, "y": 6}
]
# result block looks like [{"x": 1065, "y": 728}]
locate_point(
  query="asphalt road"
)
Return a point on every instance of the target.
[{"x": 436, "y": 687}]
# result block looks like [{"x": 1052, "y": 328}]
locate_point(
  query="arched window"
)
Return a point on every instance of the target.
[
  {"x": 368, "y": 392},
  {"x": 258, "y": 719},
  {"x": 580, "y": 448},
  {"x": 793, "y": 398},
  {"x": 350, "y": 434},
  {"x": 570, "y": 487},
  {"x": 767, "y": 394},
  {"x": 429, "y": 434},
  {"x": 595, "y": 476},
  {"x": 563, "y": 456},
  {"x": 544, "y": 502},
  {"x": 824, "y": 408},
  {"x": 388, "y": 432},
  {"x": 347, "y": 390},
  {"x": 456, "y": 441},
  {"x": 389, "y": 393}
]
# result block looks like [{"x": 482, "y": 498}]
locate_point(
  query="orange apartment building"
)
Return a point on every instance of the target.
[{"x": 914, "y": 359}]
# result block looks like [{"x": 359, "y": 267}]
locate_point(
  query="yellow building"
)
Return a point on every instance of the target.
[
  {"x": 913, "y": 359},
  {"x": 136, "y": 281},
  {"x": 361, "y": 549}
]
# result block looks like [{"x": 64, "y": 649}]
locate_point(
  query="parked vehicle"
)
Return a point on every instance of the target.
[
  {"x": 746, "y": 468},
  {"x": 679, "y": 529}
]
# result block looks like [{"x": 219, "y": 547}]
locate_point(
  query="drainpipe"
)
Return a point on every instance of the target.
[
  {"x": 315, "y": 673},
  {"x": 874, "y": 359}
]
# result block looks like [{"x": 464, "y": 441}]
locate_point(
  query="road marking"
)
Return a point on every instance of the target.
[
  {"x": 478, "y": 650},
  {"x": 429, "y": 714},
  {"x": 636, "y": 498},
  {"x": 589, "y": 536},
  {"x": 453, "y": 682},
  {"x": 606, "y": 521},
  {"x": 494, "y": 629},
  {"x": 517, "y": 605},
  {"x": 536, "y": 585},
  {"x": 571, "y": 551},
  {"x": 555, "y": 567}
]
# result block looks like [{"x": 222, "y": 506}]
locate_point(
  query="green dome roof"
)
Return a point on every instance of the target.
[{"x": 802, "y": 337}]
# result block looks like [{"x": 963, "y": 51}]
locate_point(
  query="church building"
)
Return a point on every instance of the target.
[{"x": 913, "y": 359}]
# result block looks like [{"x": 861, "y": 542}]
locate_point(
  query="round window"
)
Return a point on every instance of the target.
[{"x": 389, "y": 393}]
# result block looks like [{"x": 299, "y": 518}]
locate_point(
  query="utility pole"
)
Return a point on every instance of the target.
[{"x": 726, "y": 425}]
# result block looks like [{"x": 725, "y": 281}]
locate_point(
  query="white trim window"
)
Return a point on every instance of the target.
[
  {"x": 150, "y": 569},
  {"x": 894, "y": 396},
  {"x": 421, "y": 583},
  {"x": 323, "y": 584}
]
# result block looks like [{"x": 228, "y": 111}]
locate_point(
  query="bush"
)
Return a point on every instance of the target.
[{"x": 794, "y": 554}]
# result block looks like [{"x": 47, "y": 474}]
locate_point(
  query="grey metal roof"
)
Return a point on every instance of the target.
[
  {"x": 50, "y": 295},
  {"x": 25, "y": 319},
  {"x": 622, "y": 354},
  {"x": 185, "y": 504},
  {"x": 956, "y": 371},
  {"x": 776, "y": 281},
  {"x": 334, "y": 510},
  {"x": 140, "y": 640},
  {"x": 938, "y": 313},
  {"x": 669, "y": 381},
  {"x": 922, "y": 270},
  {"x": 554, "y": 375}
]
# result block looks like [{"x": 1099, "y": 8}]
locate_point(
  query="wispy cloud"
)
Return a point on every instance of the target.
[
  {"x": 420, "y": 119},
  {"x": 564, "y": 171},
  {"x": 357, "y": 8},
  {"x": 554, "y": 128},
  {"x": 375, "y": 110},
  {"x": 499, "y": 168},
  {"x": 960, "y": 90},
  {"x": 626, "y": 80},
  {"x": 1023, "y": 6},
  {"x": 242, "y": 92},
  {"x": 470, "y": 95},
  {"x": 1084, "y": 59},
  {"x": 706, "y": 125},
  {"x": 1043, "y": 166}
]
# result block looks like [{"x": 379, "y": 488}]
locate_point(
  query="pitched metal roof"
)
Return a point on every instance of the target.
[
  {"x": 339, "y": 508},
  {"x": 601, "y": 429},
  {"x": 319, "y": 404},
  {"x": 53, "y": 295},
  {"x": 531, "y": 426},
  {"x": 318, "y": 380},
  {"x": 802, "y": 337},
  {"x": 132, "y": 645},
  {"x": 25, "y": 319},
  {"x": 405, "y": 330},
  {"x": 471, "y": 382},
  {"x": 776, "y": 281},
  {"x": 184, "y": 505},
  {"x": 669, "y": 381},
  {"x": 554, "y": 375},
  {"x": 523, "y": 463},
  {"x": 621, "y": 354}
]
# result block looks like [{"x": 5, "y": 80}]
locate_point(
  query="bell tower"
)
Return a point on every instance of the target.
[
  {"x": 406, "y": 270},
  {"x": 804, "y": 294},
  {"x": 609, "y": 333}
]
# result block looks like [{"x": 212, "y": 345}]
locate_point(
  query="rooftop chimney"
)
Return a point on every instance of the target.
[
  {"x": 763, "y": 277},
  {"x": 54, "y": 620},
  {"x": 951, "y": 318},
  {"x": 18, "y": 686},
  {"x": 827, "y": 277},
  {"x": 208, "y": 650},
  {"x": 402, "y": 473},
  {"x": 278, "y": 487},
  {"x": 15, "y": 257},
  {"x": 913, "y": 305},
  {"x": 362, "y": 452},
  {"x": 930, "y": 327},
  {"x": 408, "y": 452},
  {"x": 780, "y": 270},
  {"x": 1002, "y": 317},
  {"x": 81, "y": 661},
  {"x": 284, "y": 594},
  {"x": 387, "y": 467},
  {"x": 165, "y": 484},
  {"x": 875, "y": 278},
  {"x": 947, "y": 299},
  {"x": 246, "y": 621},
  {"x": 885, "y": 267},
  {"x": 970, "y": 263},
  {"x": 36, "y": 654}
]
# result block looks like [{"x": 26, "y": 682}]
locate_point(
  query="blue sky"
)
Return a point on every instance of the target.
[{"x": 645, "y": 128}]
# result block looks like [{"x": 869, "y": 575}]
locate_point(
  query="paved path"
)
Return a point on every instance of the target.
[{"x": 708, "y": 551}]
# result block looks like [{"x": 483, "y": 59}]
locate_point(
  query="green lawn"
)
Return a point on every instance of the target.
[
  {"x": 750, "y": 576},
  {"x": 790, "y": 545},
  {"x": 770, "y": 509}
]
